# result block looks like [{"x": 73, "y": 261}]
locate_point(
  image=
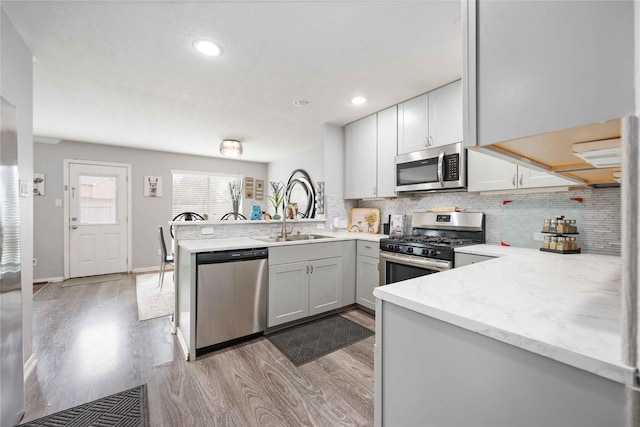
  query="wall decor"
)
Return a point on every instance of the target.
[
  {"x": 38, "y": 184},
  {"x": 152, "y": 186},
  {"x": 364, "y": 220},
  {"x": 248, "y": 188},
  {"x": 320, "y": 198},
  {"x": 259, "y": 189}
]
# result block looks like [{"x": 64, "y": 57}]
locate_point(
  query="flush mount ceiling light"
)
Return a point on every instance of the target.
[
  {"x": 301, "y": 103},
  {"x": 358, "y": 100},
  {"x": 207, "y": 48},
  {"x": 231, "y": 148}
]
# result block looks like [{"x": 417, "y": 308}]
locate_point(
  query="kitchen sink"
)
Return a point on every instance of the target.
[{"x": 292, "y": 238}]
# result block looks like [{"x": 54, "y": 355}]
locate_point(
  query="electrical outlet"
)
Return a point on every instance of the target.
[
  {"x": 321, "y": 226},
  {"x": 159, "y": 252},
  {"x": 35, "y": 262},
  {"x": 538, "y": 237},
  {"x": 207, "y": 230}
]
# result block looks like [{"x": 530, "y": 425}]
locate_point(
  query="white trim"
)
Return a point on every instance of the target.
[
  {"x": 49, "y": 279},
  {"x": 183, "y": 345},
  {"x": 215, "y": 174},
  {"x": 469, "y": 73},
  {"x": 154, "y": 269},
  {"x": 65, "y": 181},
  {"x": 30, "y": 366}
]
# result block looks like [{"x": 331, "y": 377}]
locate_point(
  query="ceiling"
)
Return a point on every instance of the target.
[{"x": 125, "y": 73}]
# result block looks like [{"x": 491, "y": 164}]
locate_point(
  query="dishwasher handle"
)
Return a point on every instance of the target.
[{"x": 231, "y": 256}]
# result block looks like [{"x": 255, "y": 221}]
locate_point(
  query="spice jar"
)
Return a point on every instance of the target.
[
  {"x": 573, "y": 227},
  {"x": 561, "y": 226},
  {"x": 546, "y": 226},
  {"x": 560, "y": 246},
  {"x": 554, "y": 243},
  {"x": 546, "y": 242},
  {"x": 554, "y": 226}
]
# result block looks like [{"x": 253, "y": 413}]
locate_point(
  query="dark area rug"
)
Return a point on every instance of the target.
[
  {"x": 304, "y": 343},
  {"x": 125, "y": 409}
]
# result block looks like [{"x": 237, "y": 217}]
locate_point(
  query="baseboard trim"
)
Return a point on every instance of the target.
[
  {"x": 30, "y": 365},
  {"x": 149, "y": 270},
  {"x": 183, "y": 345},
  {"x": 49, "y": 279}
]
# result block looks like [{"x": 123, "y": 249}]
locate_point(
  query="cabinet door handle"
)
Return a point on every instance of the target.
[
  {"x": 426, "y": 141},
  {"x": 520, "y": 179},
  {"x": 378, "y": 266},
  {"x": 311, "y": 269},
  {"x": 307, "y": 269},
  {"x": 367, "y": 246},
  {"x": 513, "y": 179},
  {"x": 430, "y": 141}
]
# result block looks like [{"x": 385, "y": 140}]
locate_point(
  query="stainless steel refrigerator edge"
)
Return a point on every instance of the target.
[{"x": 11, "y": 358}]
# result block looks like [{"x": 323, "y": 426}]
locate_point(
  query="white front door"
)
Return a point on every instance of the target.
[{"x": 97, "y": 199}]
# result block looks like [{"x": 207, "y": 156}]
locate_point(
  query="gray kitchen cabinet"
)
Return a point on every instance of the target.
[
  {"x": 367, "y": 273},
  {"x": 360, "y": 140},
  {"x": 370, "y": 150},
  {"x": 545, "y": 66},
  {"x": 288, "y": 293},
  {"x": 304, "y": 280},
  {"x": 325, "y": 285},
  {"x": 431, "y": 120},
  {"x": 462, "y": 259},
  {"x": 488, "y": 173}
]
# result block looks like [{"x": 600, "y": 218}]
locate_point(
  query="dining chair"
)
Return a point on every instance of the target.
[{"x": 165, "y": 258}]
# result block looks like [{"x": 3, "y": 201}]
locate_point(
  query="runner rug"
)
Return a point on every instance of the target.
[
  {"x": 307, "y": 342},
  {"x": 127, "y": 409},
  {"x": 153, "y": 303}
]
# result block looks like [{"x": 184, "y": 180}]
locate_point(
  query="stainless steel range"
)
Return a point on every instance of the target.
[{"x": 429, "y": 248}]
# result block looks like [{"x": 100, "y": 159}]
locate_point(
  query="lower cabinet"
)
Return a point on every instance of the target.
[
  {"x": 308, "y": 285},
  {"x": 462, "y": 259},
  {"x": 367, "y": 273}
]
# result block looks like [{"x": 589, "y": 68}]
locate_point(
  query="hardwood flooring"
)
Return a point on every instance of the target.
[{"x": 89, "y": 344}]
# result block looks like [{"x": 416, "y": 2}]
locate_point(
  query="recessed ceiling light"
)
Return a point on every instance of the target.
[
  {"x": 301, "y": 103},
  {"x": 358, "y": 100},
  {"x": 207, "y": 48}
]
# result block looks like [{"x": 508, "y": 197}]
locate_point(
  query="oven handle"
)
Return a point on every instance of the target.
[
  {"x": 441, "y": 168},
  {"x": 415, "y": 261}
]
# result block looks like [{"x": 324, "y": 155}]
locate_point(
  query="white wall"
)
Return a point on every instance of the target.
[
  {"x": 16, "y": 86},
  {"x": 148, "y": 212}
]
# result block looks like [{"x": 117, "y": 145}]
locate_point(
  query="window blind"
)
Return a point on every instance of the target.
[{"x": 202, "y": 193}]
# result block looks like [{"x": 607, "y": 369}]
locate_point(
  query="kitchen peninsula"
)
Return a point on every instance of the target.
[
  {"x": 334, "y": 289},
  {"x": 528, "y": 339}
]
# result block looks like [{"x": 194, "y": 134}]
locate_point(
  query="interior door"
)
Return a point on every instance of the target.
[{"x": 98, "y": 219}]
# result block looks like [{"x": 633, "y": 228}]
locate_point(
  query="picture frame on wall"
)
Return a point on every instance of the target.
[
  {"x": 152, "y": 186},
  {"x": 259, "y": 192},
  {"x": 38, "y": 184},
  {"x": 248, "y": 188}
]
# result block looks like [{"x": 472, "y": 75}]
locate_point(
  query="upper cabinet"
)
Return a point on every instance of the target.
[
  {"x": 545, "y": 66},
  {"x": 431, "y": 120},
  {"x": 488, "y": 173},
  {"x": 370, "y": 150}
]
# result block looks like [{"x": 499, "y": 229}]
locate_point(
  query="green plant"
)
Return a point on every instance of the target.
[{"x": 277, "y": 198}]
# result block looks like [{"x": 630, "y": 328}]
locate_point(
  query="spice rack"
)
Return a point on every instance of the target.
[{"x": 559, "y": 234}]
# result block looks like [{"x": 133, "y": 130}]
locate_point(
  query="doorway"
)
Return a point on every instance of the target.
[{"x": 97, "y": 204}]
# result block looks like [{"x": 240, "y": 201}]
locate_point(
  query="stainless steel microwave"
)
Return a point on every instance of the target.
[{"x": 438, "y": 168}]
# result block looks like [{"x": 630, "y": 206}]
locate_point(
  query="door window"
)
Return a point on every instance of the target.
[{"x": 97, "y": 202}]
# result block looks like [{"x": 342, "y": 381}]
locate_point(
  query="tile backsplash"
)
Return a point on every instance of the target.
[{"x": 598, "y": 214}]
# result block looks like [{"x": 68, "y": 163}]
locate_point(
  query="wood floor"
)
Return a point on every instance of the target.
[{"x": 89, "y": 344}]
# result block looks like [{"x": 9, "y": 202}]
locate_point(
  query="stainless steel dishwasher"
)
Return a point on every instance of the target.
[{"x": 231, "y": 296}]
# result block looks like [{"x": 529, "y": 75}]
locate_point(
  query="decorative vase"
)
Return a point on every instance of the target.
[
  {"x": 236, "y": 208},
  {"x": 276, "y": 215}
]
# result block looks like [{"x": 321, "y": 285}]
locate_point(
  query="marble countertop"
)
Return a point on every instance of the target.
[
  {"x": 564, "y": 307},
  {"x": 230, "y": 243}
]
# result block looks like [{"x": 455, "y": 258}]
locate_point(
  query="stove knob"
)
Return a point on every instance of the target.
[
  {"x": 425, "y": 252},
  {"x": 409, "y": 250},
  {"x": 432, "y": 252},
  {"x": 396, "y": 248}
]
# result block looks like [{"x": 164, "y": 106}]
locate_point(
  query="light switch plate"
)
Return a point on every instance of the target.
[
  {"x": 59, "y": 203},
  {"x": 24, "y": 188}
]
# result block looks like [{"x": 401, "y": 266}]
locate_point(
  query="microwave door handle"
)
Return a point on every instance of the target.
[{"x": 441, "y": 168}]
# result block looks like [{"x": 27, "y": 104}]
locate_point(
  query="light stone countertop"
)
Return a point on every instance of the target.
[
  {"x": 564, "y": 307},
  {"x": 230, "y": 243}
]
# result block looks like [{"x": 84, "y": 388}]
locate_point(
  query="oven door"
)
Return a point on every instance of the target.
[{"x": 397, "y": 267}]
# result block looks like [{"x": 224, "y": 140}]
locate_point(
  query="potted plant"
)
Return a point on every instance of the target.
[{"x": 277, "y": 198}]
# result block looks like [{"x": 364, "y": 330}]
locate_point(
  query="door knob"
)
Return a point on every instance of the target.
[
  {"x": 73, "y": 227},
  {"x": 74, "y": 219}
]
